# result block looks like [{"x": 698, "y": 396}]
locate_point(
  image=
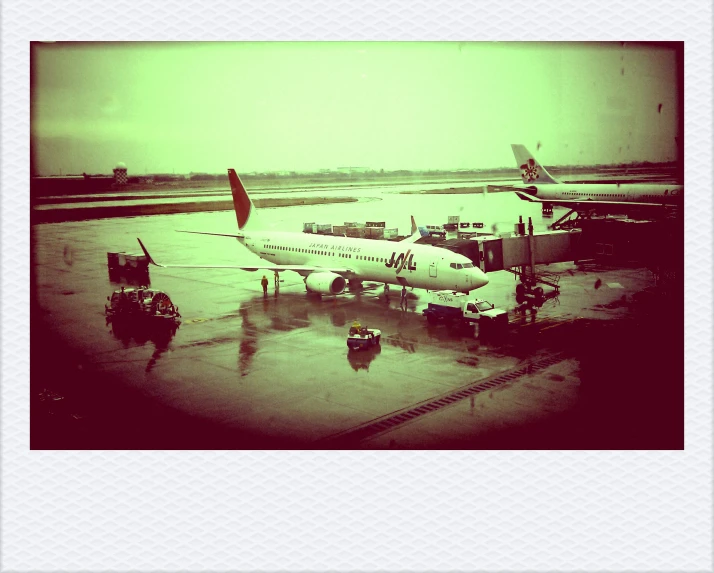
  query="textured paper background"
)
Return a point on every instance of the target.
[{"x": 348, "y": 511}]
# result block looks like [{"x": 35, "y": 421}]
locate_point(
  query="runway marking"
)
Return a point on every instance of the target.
[{"x": 390, "y": 421}]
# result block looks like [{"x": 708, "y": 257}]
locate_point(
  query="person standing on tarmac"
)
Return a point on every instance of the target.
[
  {"x": 403, "y": 301},
  {"x": 264, "y": 284},
  {"x": 123, "y": 300}
]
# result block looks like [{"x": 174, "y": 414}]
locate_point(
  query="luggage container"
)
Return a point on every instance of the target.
[
  {"x": 122, "y": 261},
  {"x": 355, "y": 232}
]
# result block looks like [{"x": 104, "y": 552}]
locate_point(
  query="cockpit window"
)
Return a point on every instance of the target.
[{"x": 468, "y": 265}]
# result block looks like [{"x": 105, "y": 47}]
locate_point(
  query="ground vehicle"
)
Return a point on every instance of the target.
[
  {"x": 141, "y": 303},
  {"x": 362, "y": 337},
  {"x": 458, "y": 310}
]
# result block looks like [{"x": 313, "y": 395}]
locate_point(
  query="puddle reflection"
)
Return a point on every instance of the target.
[
  {"x": 361, "y": 359},
  {"x": 141, "y": 331}
]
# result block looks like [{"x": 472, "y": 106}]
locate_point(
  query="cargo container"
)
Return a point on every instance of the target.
[
  {"x": 355, "y": 232},
  {"x": 339, "y": 230},
  {"x": 374, "y": 232},
  {"x": 126, "y": 261},
  {"x": 375, "y": 224},
  {"x": 391, "y": 233},
  {"x": 309, "y": 227},
  {"x": 324, "y": 228}
]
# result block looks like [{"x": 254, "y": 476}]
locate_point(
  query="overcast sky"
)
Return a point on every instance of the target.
[{"x": 204, "y": 107}]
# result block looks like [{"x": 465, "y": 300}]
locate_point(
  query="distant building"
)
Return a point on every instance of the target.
[
  {"x": 353, "y": 169},
  {"x": 69, "y": 185},
  {"x": 120, "y": 177}
]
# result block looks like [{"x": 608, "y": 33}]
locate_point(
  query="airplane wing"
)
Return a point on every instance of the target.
[
  {"x": 214, "y": 234},
  {"x": 301, "y": 269},
  {"x": 585, "y": 202}
]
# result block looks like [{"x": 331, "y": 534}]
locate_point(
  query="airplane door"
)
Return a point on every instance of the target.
[{"x": 432, "y": 269}]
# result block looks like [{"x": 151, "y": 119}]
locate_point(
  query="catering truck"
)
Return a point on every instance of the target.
[{"x": 457, "y": 310}]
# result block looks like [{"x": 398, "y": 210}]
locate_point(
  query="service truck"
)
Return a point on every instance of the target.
[{"x": 458, "y": 310}]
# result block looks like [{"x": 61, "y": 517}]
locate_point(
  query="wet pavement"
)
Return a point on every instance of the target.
[{"x": 594, "y": 368}]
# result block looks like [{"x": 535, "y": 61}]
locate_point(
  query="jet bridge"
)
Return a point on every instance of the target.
[{"x": 519, "y": 253}]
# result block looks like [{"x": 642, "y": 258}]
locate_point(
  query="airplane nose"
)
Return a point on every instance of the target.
[{"x": 478, "y": 278}]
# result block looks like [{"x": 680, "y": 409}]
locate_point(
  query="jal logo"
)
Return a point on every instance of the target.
[
  {"x": 401, "y": 261},
  {"x": 530, "y": 170}
]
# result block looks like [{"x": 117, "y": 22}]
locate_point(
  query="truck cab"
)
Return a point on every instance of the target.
[
  {"x": 458, "y": 309},
  {"x": 474, "y": 309}
]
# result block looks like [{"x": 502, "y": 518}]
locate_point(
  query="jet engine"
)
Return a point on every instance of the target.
[{"x": 325, "y": 283}]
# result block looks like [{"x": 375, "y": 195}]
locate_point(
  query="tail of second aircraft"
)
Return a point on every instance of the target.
[
  {"x": 531, "y": 170},
  {"x": 245, "y": 210}
]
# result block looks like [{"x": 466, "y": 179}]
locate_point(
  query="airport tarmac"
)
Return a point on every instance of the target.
[{"x": 594, "y": 369}]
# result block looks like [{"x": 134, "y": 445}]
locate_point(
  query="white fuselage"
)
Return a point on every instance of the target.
[
  {"x": 410, "y": 264},
  {"x": 656, "y": 194}
]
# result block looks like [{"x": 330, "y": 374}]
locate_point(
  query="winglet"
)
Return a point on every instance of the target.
[
  {"x": 148, "y": 256},
  {"x": 416, "y": 233}
]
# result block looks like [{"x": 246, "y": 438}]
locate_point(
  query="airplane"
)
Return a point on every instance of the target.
[
  {"x": 327, "y": 262},
  {"x": 540, "y": 186}
]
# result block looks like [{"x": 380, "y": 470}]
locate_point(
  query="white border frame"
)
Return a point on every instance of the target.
[{"x": 406, "y": 511}]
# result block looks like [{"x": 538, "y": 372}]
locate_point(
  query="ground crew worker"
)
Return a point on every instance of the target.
[
  {"x": 277, "y": 281},
  {"x": 264, "y": 283},
  {"x": 403, "y": 301}
]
